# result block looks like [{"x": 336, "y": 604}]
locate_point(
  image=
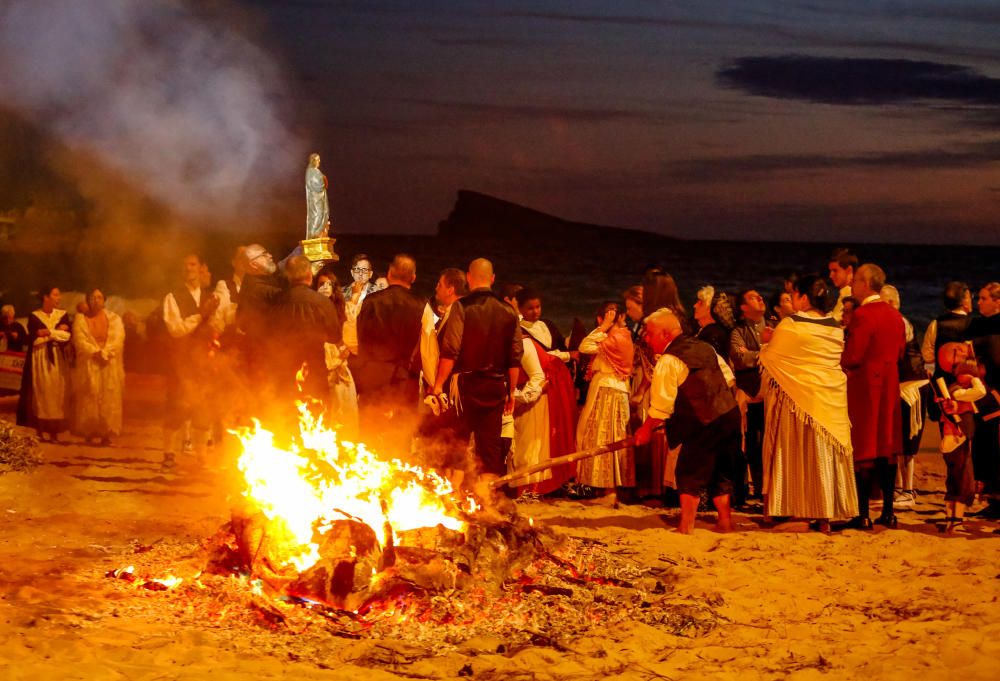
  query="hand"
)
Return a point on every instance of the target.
[
  {"x": 964, "y": 380},
  {"x": 574, "y": 355},
  {"x": 209, "y": 307},
  {"x": 644, "y": 433},
  {"x": 63, "y": 327},
  {"x": 44, "y": 333},
  {"x": 508, "y": 408},
  {"x": 608, "y": 321},
  {"x": 765, "y": 334},
  {"x": 949, "y": 406}
]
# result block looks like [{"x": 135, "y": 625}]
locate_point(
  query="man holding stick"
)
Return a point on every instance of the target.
[{"x": 690, "y": 393}]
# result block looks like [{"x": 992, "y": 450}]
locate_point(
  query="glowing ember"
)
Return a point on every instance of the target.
[{"x": 321, "y": 479}]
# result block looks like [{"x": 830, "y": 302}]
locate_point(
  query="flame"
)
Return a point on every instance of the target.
[{"x": 321, "y": 479}]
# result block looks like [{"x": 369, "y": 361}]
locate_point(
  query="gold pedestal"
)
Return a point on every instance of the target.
[{"x": 319, "y": 249}]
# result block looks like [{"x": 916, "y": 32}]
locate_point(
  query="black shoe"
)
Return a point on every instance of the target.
[
  {"x": 889, "y": 521},
  {"x": 859, "y": 523},
  {"x": 820, "y": 526}
]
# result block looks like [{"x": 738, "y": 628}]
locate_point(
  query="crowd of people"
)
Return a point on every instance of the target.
[{"x": 813, "y": 400}]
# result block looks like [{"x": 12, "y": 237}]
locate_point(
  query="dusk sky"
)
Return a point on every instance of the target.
[{"x": 851, "y": 120}]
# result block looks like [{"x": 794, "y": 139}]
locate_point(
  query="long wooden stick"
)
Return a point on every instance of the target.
[{"x": 559, "y": 460}]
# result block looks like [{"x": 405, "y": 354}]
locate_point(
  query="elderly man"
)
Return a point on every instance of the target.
[
  {"x": 481, "y": 345},
  {"x": 690, "y": 393},
  {"x": 261, "y": 290},
  {"x": 308, "y": 320},
  {"x": 11, "y": 330},
  {"x": 876, "y": 342}
]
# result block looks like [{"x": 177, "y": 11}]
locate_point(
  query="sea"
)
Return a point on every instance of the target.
[{"x": 574, "y": 277}]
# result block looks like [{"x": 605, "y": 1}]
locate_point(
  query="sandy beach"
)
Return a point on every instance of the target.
[{"x": 889, "y": 604}]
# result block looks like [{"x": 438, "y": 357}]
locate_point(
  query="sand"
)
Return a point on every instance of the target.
[{"x": 906, "y": 603}]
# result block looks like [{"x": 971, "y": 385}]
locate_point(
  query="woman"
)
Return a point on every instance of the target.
[
  {"x": 343, "y": 397},
  {"x": 605, "y": 416},
  {"x": 713, "y": 313},
  {"x": 781, "y": 306},
  {"x": 808, "y": 465},
  {"x": 633, "y": 312},
  {"x": 99, "y": 374},
  {"x": 42, "y": 404},
  {"x": 652, "y": 467}
]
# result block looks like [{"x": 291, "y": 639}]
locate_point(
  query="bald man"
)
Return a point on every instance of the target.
[
  {"x": 387, "y": 366},
  {"x": 691, "y": 397},
  {"x": 481, "y": 352}
]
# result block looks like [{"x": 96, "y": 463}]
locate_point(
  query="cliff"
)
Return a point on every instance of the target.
[{"x": 480, "y": 215}]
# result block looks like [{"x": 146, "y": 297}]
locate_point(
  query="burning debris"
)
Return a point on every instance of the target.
[{"x": 333, "y": 538}]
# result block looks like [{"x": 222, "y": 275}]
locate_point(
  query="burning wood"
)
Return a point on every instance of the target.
[{"x": 331, "y": 533}]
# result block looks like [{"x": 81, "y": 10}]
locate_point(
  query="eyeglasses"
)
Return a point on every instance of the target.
[
  {"x": 360, "y": 270},
  {"x": 264, "y": 254}
]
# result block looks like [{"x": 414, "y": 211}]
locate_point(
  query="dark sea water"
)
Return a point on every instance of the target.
[{"x": 575, "y": 276}]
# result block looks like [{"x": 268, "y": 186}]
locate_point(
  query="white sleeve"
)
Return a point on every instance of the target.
[
  {"x": 930, "y": 339},
  {"x": 668, "y": 375},
  {"x": 532, "y": 390},
  {"x": 176, "y": 326},
  {"x": 976, "y": 391},
  {"x": 592, "y": 342},
  {"x": 727, "y": 372}
]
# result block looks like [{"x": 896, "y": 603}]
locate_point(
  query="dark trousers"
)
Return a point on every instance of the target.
[
  {"x": 866, "y": 475},
  {"x": 754, "y": 447},
  {"x": 706, "y": 458},
  {"x": 482, "y": 401},
  {"x": 986, "y": 454}
]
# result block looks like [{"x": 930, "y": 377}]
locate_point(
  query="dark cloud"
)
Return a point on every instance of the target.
[
  {"x": 732, "y": 168},
  {"x": 620, "y": 20},
  {"x": 858, "y": 81},
  {"x": 507, "y": 112}
]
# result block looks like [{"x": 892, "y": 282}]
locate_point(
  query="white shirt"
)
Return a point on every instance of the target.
[
  {"x": 668, "y": 375},
  {"x": 930, "y": 340},
  {"x": 541, "y": 332}
]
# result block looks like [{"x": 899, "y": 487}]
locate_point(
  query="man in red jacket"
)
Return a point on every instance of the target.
[{"x": 875, "y": 343}]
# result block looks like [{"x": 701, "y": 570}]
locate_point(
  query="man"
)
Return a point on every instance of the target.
[
  {"x": 228, "y": 290},
  {"x": 690, "y": 393},
  {"x": 949, "y": 327},
  {"x": 842, "y": 264},
  {"x": 745, "y": 342},
  {"x": 308, "y": 320},
  {"x": 450, "y": 287},
  {"x": 11, "y": 330},
  {"x": 259, "y": 293},
  {"x": 361, "y": 272},
  {"x": 386, "y": 367},
  {"x": 985, "y": 334},
  {"x": 189, "y": 314},
  {"x": 481, "y": 345},
  {"x": 875, "y": 344}
]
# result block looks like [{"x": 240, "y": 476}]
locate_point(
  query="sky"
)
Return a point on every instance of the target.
[{"x": 845, "y": 121}]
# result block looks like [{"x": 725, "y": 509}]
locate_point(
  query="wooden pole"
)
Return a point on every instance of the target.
[{"x": 559, "y": 460}]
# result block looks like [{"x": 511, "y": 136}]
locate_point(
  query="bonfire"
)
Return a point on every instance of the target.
[{"x": 331, "y": 532}]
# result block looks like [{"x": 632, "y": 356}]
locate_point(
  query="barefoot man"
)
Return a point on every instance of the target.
[{"x": 690, "y": 393}]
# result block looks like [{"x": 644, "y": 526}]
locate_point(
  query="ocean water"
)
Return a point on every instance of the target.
[{"x": 573, "y": 275}]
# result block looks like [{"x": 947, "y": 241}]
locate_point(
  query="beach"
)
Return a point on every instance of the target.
[{"x": 784, "y": 602}]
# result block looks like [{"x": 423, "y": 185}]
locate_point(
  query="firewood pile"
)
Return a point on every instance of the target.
[{"x": 502, "y": 580}]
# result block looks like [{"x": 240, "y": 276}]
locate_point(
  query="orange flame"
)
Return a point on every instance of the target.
[{"x": 321, "y": 479}]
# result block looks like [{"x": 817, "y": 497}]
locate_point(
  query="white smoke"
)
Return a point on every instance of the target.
[{"x": 181, "y": 107}]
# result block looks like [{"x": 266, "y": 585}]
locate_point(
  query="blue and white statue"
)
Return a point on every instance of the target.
[{"x": 317, "y": 206}]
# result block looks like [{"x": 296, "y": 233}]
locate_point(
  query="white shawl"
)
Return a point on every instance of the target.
[{"x": 803, "y": 361}]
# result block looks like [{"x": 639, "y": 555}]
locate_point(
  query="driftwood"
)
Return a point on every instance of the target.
[{"x": 559, "y": 460}]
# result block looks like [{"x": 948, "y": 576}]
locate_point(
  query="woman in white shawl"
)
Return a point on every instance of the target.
[
  {"x": 808, "y": 465},
  {"x": 99, "y": 374}
]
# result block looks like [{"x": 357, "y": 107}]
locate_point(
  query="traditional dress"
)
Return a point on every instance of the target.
[
  {"x": 555, "y": 435},
  {"x": 42, "y": 404},
  {"x": 99, "y": 375},
  {"x": 605, "y": 416},
  {"x": 808, "y": 465},
  {"x": 531, "y": 418}
]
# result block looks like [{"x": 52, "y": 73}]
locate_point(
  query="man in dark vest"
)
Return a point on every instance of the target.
[
  {"x": 689, "y": 392},
  {"x": 950, "y": 327},
  {"x": 481, "y": 346},
  {"x": 189, "y": 315},
  {"x": 387, "y": 367}
]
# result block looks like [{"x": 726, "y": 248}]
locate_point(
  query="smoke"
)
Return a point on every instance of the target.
[{"x": 150, "y": 98}]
